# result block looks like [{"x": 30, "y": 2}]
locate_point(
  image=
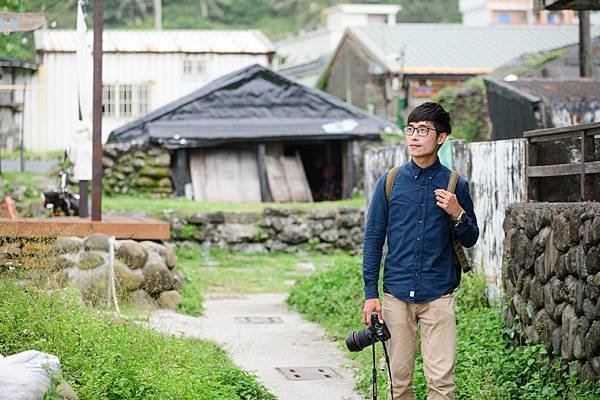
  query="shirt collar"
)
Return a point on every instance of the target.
[{"x": 416, "y": 170}]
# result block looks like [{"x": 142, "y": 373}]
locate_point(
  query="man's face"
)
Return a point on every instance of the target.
[{"x": 422, "y": 146}]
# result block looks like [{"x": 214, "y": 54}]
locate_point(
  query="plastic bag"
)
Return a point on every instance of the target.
[{"x": 24, "y": 376}]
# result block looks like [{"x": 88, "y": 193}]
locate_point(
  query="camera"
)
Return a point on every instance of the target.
[{"x": 378, "y": 332}]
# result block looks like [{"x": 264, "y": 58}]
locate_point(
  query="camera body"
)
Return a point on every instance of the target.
[{"x": 377, "y": 332}]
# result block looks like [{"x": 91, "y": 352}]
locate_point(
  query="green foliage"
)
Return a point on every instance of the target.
[
  {"x": 535, "y": 60},
  {"x": 466, "y": 106},
  {"x": 429, "y": 11},
  {"x": 487, "y": 367},
  {"x": 116, "y": 359}
]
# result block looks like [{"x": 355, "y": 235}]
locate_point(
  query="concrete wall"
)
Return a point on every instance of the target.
[
  {"x": 551, "y": 276},
  {"x": 496, "y": 174}
]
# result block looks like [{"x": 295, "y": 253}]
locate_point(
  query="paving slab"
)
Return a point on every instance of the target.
[{"x": 263, "y": 337}]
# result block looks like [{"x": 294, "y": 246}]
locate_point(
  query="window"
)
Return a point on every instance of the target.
[
  {"x": 194, "y": 67},
  {"x": 125, "y": 101}
]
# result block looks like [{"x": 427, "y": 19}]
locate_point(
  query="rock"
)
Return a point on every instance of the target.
[
  {"x": 238, "y": 233},
  {"x": 592, "y": 340},
  {"x": 540, "y": 269},
  {"x": 595, "y": 363},
  {"x": 356, "y": 234},
  {"x": 157, "y": 277},
  {"x": 519, "y": 242},
  {"x": 532, "y": 335},
  {"x": 142, "y": 301},
  {"x": 62, "y": 262},
  {"x": 565, "y": 232},
  {"x": 597, "y": 280},
  {"x": 64, "y": 245},
  {"x": 66, "y": 392},
  {"x": 571, "y": 261},
  {"x": 277, "y": 224},
  {"x": 96, "y": 241},
  {"x": 249, "y": 248},
  {"x": 591, "y": 290},
  {"x": 37, "y": 249},
  {"x": 295, "y": 234},
  {"x": 127, "y": 278},
  {"x": 590, "y": 309},
  {"x": 178, "y": 279},
  {"x": 539, "y": 242},
  {"x": 549, "y": 303},
  {"x": 277, "y": 212},
  {"x": 579, "y": 297},
  {"x": 107, "y": 162},
  {"x": 579, "y": 347},
  {"x": 132, "y": 253},
  {"x": 582, "y": 270},
  {"x": 169, "y": 299},
  {"x": 558, "y": 311},
  {"x": 551, "y": 255},
  {"x": 569, "y": 288},
  {"x": 197, "y": 219},
  {"x": 329, "y": 236},
  {"x": 536, "y": 293},
  {"x": 91, "y": 259},
  {"x": 587, "y": 373},
  {"x": 557, "y": 290},
  {"x": 569, "y": 328},
  {"x": 10, "y": 251},
  {"x": 530, "y": 227},
  {"x": 350, "y": 220},
  {"x": 326, "y": 248},
  {"x": 60, "y": 280},
  {"x": 592, "y": 260},
  {"x": 92, "y": 283},
  {"x": 526, "y": 287},
  {"x": 170, "y": 255},
  {"x": 321, "y": 214},
  {"x": 163, "y": 160},
  {"x": 544, "y": 327},
  {"x": 561, "y": 267},
  {"x": 556, "y": 340},
  {"x": 328, "y": 223},
  {"x": 241, "y": 217},
  {"x": 521, "y": 309},
  {"x": 317, "y": 228},
  {"x": 217, "y": 217}
]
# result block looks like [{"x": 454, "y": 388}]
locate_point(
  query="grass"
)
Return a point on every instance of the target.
[
  {"x": 157, "y": 208},
  {"x": 33, "y": 155},
  {"x": 487, "y": 367},
  {"x": 115, "y": 359},
  {"x": 224, "y": 272}
]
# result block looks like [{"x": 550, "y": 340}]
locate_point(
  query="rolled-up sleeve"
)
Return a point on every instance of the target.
[
  {"x": 374, "y": 238},
  {"x": 468, "y": 231}
]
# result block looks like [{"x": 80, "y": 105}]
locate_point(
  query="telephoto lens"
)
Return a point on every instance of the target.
[{"x": 358, "y": 340}]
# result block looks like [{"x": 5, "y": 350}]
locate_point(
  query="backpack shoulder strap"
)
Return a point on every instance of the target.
[
  {"x": 453, "y": 181},
  {"x": 389, "y": 183}
]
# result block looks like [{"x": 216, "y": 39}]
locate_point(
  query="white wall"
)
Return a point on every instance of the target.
[{"x": 50, "y": 121}]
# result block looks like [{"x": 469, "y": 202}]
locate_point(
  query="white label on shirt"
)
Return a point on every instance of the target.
[{"x": 412, "y": 293}]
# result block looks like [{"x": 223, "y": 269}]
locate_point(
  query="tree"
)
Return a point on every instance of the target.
[
  {"x": 306, "y": 12},
  {"x": 214, "y": 6},
  {"x": 132, "y": 6},
  {"x": 429, "y": 11}
]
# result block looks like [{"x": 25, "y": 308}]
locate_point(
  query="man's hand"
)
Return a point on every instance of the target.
[
  {"x": 447, "y": 201},
  {"x": 371, "y": 306}
]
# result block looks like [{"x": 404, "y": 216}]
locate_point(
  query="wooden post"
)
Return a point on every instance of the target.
[
  {"x": 588, "y": 186},
  {"x": 532, "y": 194},
  {"x": 97, "y": 113},
  {"x": 585, "y": 45},
  {"x": 83, "y": 199},
  {"x": 348, "y": 178},
  {"x": 265, "y": 193},
  {"x": 158, "y": 15}
]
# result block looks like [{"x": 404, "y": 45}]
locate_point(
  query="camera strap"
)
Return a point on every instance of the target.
[{"x": 387, "y": 361}]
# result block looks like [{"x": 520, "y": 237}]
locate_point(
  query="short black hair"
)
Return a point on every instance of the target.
[{"x": 433, "y": 112}]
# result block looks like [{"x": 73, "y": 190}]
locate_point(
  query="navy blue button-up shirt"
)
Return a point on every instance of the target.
[{"x": 418, "y": 266}]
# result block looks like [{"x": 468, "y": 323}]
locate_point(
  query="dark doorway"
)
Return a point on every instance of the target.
[{"x": 322, "y": 163}]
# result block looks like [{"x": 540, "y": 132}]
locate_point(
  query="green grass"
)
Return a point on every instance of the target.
[
  {"x": 487, "y": 367},
  {"x": 225, "y": 272},
  {"x": 157, "y": 207},
  {"x": 33, "y": 155},
  {"x": 104, "y": 359}
]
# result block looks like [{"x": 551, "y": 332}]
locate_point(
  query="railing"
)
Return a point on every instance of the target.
[{"x": 586, "y": 168}]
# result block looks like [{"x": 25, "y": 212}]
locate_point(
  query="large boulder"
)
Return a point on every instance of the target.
[
  {"x": 295, "y": 234},
  {"x": 157, "y": 277},
  {"x": 128, "y": 279},
  {"x": 169, "y": 299},
  {"x": 132, "y": 253},
  {"x": 238, "y": 233},
  {"x": 91, "y": 259},
  {"x": 142, "y": 301},
  {"x": 64, "y": 245},
  {"x": 96, "y": 241}
]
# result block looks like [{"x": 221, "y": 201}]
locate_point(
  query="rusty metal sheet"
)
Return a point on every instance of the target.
[{"x": 16, "y": 22}]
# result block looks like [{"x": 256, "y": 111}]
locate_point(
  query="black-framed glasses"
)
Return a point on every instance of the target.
[{"x": 421, "y": 130}]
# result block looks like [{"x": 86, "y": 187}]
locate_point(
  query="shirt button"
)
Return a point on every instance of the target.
[
  {"x": 422, "y": 187},
  {"x": 420, "y": 221},
  {"x": 417, "y": 274},
  {"x": 415, "y": 176},
  {"x": 418, "y": 239},
  {"x": 422, "y": 204},
  {"x": 430, "y": 177}
]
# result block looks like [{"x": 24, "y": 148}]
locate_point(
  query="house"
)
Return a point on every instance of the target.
[
  {"x": 254, "y": 135},
  {"x": 511, "y": 12},
  {"x": 15, "y": 78},
  {"x": 549, "y": 95},
  {"x": 142, "y": 70},
  {"x": 387, "y": 70},
  {"x": 306, "y": 55}
]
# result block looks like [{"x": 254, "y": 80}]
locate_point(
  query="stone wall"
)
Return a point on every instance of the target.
[
  {"x": 134, "y": 168},
  {"x": 551, "y": 276},
  {"x": 145, "y": 271},
  {"x": 274, "y": 229}
]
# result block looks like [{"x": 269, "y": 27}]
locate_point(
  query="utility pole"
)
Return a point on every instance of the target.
[
  {"x": 585, "y": 45},
  {"x": 97, "y": 113},
  {"x": 158, "y": 15}
]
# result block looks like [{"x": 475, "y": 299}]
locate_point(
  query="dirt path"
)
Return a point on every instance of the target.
[{"x": 261, "y": 335}]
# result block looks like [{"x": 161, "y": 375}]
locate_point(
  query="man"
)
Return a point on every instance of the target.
[{"x": 419, "y": 274}]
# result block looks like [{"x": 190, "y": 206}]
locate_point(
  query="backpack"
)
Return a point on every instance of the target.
[{"x": 458, "y": 255}]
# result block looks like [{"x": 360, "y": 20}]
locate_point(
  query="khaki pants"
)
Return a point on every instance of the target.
[{"x": 438, "y": 345}]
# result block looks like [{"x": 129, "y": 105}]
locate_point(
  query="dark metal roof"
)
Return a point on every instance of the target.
[
  {"x": 12, "y": 62},
  {"x": 581, "y": 89},
  {"x": 254, "y": 103}
]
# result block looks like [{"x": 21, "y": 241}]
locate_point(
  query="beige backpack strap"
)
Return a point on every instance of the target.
[
  {"x": 453, "y": 181},
  {"x": 389, "y": 183}
]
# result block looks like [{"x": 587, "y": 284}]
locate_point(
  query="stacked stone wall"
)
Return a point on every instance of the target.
[{"x": 551, "y": 277}]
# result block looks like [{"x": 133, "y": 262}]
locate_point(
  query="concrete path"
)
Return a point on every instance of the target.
[{"x": 261, "y": 347}]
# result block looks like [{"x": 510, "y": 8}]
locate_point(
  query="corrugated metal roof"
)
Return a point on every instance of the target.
[
  {"x": 166, "y": 41},
  {"x": 579, "y": 90},
  {"x": 456, "y": 49}
]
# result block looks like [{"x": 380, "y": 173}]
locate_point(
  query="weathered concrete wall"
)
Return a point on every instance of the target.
[
  {"x": 130, "y": 168},
  {"x": 274, "y": 229},
  {"x": 551, "y": 276},
  {"x": 496, "y": 175}
]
